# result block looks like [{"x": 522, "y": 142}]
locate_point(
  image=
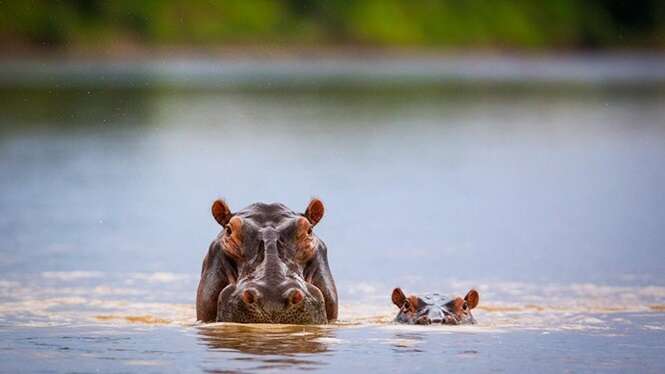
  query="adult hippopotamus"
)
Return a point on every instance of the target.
[
  {"x": 435, "y": 308},
  {"x": 267, "y": 266}
]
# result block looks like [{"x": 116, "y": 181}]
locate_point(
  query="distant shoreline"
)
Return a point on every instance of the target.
[
  {"x": 123, "y": 51},
  {"x": 276, "y": 70}
]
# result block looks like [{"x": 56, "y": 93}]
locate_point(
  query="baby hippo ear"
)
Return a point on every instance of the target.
[
  {"x": 398, "y": 297},
  {"x": 472, "y": 298},
  {"x": 314, "y": 211},
  {"x": 221, "y": 212}
]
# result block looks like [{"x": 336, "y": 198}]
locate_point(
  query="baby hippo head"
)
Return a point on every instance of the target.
[{"x": 435, "y": 308}]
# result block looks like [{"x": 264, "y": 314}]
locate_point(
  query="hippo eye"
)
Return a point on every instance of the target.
[{"x": 227, "y": 230}]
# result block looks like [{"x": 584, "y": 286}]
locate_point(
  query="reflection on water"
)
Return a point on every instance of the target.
[
  {"x": 268, "y": 346},
  {"x": 265, "y": 339},
  {"x": 407, "y": 342}
]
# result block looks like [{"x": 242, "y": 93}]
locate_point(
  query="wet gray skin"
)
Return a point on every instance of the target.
[
  {"x": 435, "y": 308},
  {"x": 267, "y": 266}
]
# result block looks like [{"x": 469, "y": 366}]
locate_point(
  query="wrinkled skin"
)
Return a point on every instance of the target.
[
  {"x": 267, "y": 266},
  {"x": 435, "y": 308}
]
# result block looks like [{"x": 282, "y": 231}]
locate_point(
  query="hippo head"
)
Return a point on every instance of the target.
[
  {"x": 271, "y": 256},
  {"x": 435, "y": 308}
]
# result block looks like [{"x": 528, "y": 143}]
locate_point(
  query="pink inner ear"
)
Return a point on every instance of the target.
[
  {"x": 314, "y": 211},
  {"x": 221, "y": 212},
  {"x": 398, "y": 297},
  {"x": 472, "y": 299}
]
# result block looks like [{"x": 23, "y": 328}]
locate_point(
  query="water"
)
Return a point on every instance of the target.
[{"x": 548, "y": 200}]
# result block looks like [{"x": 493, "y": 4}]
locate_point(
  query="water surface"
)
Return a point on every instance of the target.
[{"x": 549, "y": 201}]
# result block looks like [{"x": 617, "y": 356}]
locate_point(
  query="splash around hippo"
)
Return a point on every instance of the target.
[
  {"x": 267, "y": 266},
  {"x": 435, "y": 308}
]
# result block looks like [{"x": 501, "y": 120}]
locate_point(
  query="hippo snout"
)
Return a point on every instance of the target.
[
  {"x": 435, "y": 316},
  {"x": 270, "y": 301},
  {"x": 259, "y": 303}
]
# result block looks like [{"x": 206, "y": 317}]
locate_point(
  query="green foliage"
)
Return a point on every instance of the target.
[{"x": 436, "y": 23}]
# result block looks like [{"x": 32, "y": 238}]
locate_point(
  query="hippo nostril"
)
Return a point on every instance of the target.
[
  {"x": 295, "y": 297},
  {"x": 250, "y": 296}
]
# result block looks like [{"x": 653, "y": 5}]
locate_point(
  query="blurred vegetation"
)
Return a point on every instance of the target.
[{"x": 425, "y": 23}]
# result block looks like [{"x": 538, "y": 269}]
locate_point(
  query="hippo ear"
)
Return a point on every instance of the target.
[
  {"x": 221, "y": 212},
  {"x": 472, "y": 298},
  {"x": 398, "y": 297},
  {"x": 314, "y": 211}
]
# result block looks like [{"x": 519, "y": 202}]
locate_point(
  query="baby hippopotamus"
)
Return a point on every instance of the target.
[{"x": 435, "y": 308}]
